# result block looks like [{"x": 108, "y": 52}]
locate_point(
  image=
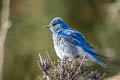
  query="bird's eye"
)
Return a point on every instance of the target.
[{"x": 54, "y": 24}]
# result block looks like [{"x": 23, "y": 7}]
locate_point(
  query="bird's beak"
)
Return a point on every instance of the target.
[{"x": 48, "y": 26}]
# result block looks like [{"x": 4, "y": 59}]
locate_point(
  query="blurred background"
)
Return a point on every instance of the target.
[{"x": 99, "y": 20}]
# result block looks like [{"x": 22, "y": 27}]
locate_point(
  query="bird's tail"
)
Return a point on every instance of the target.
[
  {"x": 98, "y": 61},
  {"x": 102, "y": 64}
]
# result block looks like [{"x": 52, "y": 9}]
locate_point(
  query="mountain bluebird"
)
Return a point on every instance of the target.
[{"x": 68, "y": 42}]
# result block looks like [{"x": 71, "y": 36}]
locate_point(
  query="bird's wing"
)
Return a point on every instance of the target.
[{"x": 78, "y": 39}]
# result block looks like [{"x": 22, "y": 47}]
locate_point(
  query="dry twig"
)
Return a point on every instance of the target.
[{"x": 68, "y": 70}]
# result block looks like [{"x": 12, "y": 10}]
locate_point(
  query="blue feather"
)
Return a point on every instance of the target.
[
  {"x": 78, "y": 39},
  {"x": 101, "y": 63}
]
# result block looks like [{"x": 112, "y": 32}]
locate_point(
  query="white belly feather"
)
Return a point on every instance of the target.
[{"x": 64, "y": 48}]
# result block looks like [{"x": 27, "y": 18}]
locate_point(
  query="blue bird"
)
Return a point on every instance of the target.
[{"x": 69, "y": 42}]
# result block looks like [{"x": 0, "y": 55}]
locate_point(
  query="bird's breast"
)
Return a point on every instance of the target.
[
  {"x": 64, "y": 48},
  {"x": 59, "y": 46}
]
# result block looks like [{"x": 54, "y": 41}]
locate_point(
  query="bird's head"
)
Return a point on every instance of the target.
[{"x": 57, "y": 24}]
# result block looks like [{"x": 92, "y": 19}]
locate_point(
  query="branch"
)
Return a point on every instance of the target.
[
  {"x": 67, "y": 70},
  {"x": 5, "y": 25}
]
